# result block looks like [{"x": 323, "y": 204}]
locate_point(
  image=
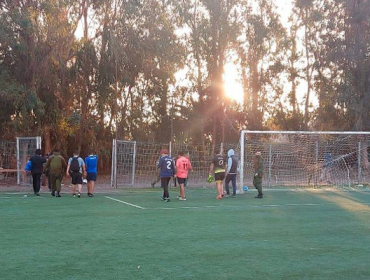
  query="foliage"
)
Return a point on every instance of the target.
[{"x": 80, "y": 73}]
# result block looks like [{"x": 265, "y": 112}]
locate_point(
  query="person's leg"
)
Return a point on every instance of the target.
[
  {"x": 164, "y": 183},
  {"x": 79, "y": 190},
  {"x": 34, "y": 183},
  {"x": 233, "y": 182},
  {"x": 38, "y": 183},
  {"x": 92, "y": 186},
  {"x": 259, "y": 187},
  {"x": 227, "y": 181},
  {"x": 53, "y": 183},
  {"x": 219, "y": 185},
  {"x": 58, "y": 184},
  {"x": 73, "y": 189},
  {"x": 182, "y": 190}
]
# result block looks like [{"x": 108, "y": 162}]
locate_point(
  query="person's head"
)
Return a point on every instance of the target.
[
  {"x": 230, "y": 153},
  {"x": 164, "y": 152},
  {"x": 55, "y": 152},
  {"x": 75, "y": 153},
  {"x": 38, "y": 152},
  {"x": 258, "y": 154},
  {"x": 92, "y": 152},
  {"x": 181, "y": 153}
]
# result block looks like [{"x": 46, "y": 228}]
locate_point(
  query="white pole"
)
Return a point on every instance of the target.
[
  {"x": 241, "y": 171},
  {"x": 133, "y": 165}
]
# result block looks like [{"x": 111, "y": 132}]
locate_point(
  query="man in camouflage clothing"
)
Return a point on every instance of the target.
[{"x": 258, "y": 173}]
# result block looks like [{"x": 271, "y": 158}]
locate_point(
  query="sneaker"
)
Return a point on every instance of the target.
[
  {"x": 227, "y": 195},
  {"x": 152, "y": 184},
  {"x": 53, "y": 193},
  {"x": 166, "y": 199},
  {"x": 90, "y": 195},
  {"x": 37, "y": 194},
  {"x": 74, "y": 195},
  {"x": 178, "y": 197},
  {"x": 259, "y": 196},
  {"x": 79, "y": 195},
  {"x": 219, "y": 197},
  {"x": 58, "y": 195},
  {"x": 233, "y": 196},
  {"x": 182, "y": 199}
]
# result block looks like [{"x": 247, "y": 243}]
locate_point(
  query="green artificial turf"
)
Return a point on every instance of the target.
[{"x": 132, "y": 234}]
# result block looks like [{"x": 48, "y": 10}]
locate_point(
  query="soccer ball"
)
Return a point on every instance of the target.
[{"x": 245, "y": 188}]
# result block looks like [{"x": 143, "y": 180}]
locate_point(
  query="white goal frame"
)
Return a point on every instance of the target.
[{"x": 245, "y": 134}]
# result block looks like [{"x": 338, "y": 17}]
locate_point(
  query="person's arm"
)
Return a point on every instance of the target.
[
  {"x": 229, "y": 164},
  {"x": 67, "y": 172},
  {"x": 211, "y": 168}
]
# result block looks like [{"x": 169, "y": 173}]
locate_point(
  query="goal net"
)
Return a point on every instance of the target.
[
  {"x": 298, "y": 159},
  {"x": 134, "y": 164}
]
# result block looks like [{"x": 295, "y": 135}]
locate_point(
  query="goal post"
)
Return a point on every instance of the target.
[{"x": 306, "y": 158}]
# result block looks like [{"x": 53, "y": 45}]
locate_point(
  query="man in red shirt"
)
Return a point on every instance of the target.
[{"x": 183, "y": 165}]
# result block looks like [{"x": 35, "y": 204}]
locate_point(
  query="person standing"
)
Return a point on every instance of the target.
[
  {"x": 91, "y": 163},
  {"x": 76, "y": 169},
  {"x": 183, "y": 165},
  {"x": 56, "y": 166},
  {"x": 218, "y": 168},
  {"x": 167, "y": 169},
  {"x": 232, "y": 168},
  {"x": 258, "y": 174},
  {"x": 37, "y": 163}
]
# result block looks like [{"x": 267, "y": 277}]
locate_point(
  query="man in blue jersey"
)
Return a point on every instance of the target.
[
  {"x": 167, "y": 171},
  {"x": 91, "y": 163}
]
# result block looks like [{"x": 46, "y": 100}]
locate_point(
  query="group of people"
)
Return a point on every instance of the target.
[
  {"x": 55, "y": 167},
  {"x": 223, "y": 170},
  {"x": 227, "y": 171}
]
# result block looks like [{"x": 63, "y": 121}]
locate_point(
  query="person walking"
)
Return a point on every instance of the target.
[
  {"x": 37, "y": 164},
  {"x": 218, "y": 168},
  {"x": 91, "y": 163},
  {"x": 183, "y": 165},
  {"x": 231, "y": 172},
  {"x": 56, "y": 166},
  {"x": 167, "y": 169},
  {"x": 76, "y": 169},
  {"x": 258, "y": 174}
]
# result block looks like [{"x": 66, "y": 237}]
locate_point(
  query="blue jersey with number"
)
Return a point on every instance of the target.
[
  {"x": 167, "y": 167},
  {"x": 91, "y": 164}
]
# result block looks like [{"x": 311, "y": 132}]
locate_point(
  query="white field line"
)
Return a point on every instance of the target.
[
  {"x": 183, "y": 207},
  {"x": 120, "y": 201}
]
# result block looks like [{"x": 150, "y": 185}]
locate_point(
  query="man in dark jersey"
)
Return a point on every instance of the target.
[
  {"x": 218, "y": 168},
  {"x": 37, "y": 163},
  {"x": 167, "y": 171}
]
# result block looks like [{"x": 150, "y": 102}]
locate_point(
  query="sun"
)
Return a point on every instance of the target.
[{"x": 232, "y": 86}]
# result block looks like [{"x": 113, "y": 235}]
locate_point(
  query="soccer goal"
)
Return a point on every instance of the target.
[{"x": 305, "y": 158}]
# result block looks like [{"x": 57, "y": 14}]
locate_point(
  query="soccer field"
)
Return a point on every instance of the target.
[{"x": 132, "y": 234}]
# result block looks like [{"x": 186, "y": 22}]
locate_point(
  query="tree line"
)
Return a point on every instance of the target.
[{"x": 80, "y": 73}]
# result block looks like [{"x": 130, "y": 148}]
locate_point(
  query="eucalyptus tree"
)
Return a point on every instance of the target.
[
  {"x": 37, "y": 40},
  {"x": 262, "y": 52},
  {"x": 211, "y": 29}
]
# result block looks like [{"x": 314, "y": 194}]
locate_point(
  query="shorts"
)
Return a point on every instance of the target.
[
  {"x": 219, "y": 176},
  {"x": 76, "y": 178},
  {"x": 91, "y": 176},
  {"x": 181, "y": 180}
]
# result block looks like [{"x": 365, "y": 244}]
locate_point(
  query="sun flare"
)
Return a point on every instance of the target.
[{"x": 232, "y": 85}]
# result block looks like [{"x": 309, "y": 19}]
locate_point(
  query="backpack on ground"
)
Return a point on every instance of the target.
[{"x": 75, "y": 165}]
